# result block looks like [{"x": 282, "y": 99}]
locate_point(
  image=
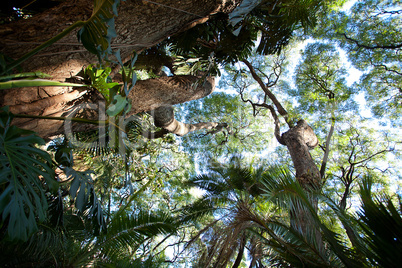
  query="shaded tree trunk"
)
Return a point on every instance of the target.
[{"x": 139, "y": 25}]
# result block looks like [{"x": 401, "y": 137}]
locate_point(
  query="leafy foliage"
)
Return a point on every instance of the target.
[
  {"x": 128, "y": 232},
  {"x": 384, "y": 244},
  {"x": 260, "y": 216},
  {"x": 26, "y": 175},
  {"x": 321, "y": 83},
  {"x": 371, "y": 36},
  {"x": 277, "y": 22},
  {"x": 229, "y": 39},
  {"x": 86, "y": 201},
  {"x": 252, "y": 209}
]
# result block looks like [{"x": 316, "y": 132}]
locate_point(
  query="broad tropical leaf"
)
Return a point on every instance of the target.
[
  {"x": 98, "y": 31},
  {"x": 25, "y": 172}
]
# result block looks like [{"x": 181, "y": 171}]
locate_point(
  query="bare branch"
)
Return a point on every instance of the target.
[
  {"x": 277, "y": 131},
  {"x": 271, "y": 96},
  {"x": 385, "y": 67},
  {"x": 372, "y": 47}
]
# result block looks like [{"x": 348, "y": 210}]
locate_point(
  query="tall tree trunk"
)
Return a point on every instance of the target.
[
  {"x": 139, "y": 25},
  {"x": 299, "y": 140}
]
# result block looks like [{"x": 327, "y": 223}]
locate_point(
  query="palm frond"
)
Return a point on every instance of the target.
[
  {"x": 107, "y": 142},
  {"x": 86, "y": 201},
  {"x": 382, "y": 226},
  {"x": 287, "y": 193},
  {"x": 130, "y": 231},
  {"x": 199, "y": 209}
]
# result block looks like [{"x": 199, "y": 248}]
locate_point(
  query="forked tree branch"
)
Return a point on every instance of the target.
[
  {"x": 372, "y": 47},
  {"x": 271, "y": 96},
  {"x": 277, "y": 131}
]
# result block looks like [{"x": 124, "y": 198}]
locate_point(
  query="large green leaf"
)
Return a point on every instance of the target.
[
  {"x": 117, "y": 105},
  {"x": 98, "y": 31},
  {"x": 24, "y": 170}
]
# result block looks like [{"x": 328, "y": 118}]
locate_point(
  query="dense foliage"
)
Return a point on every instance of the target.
[{"x": 229, "y": 197}]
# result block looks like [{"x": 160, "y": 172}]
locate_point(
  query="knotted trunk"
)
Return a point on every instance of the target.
[{"x": 299, "y": 140}]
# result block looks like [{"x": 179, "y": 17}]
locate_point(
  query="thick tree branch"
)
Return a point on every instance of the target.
[
  {"x": 164, "y": 118},
  {"x": 372, "y": 47}
]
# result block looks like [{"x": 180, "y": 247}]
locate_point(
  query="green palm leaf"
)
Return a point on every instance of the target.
[
  {"x": 86, "y": 201},
  {"x": 130, "y": 231},
  {"x": 24, "y": 171},
  {"x": 36, "y": 83},
  {"x": 382, "y": 226}
]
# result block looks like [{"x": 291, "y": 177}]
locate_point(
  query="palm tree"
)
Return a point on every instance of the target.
[
  {"x": 227, "y": 188},
  {"x": 381, "y": 227},
  {"x": 237, "y": 209},
  {"x": 248, "y": 211}
]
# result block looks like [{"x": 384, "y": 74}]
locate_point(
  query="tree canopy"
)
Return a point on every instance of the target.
[{"x": 200, "y": 134}]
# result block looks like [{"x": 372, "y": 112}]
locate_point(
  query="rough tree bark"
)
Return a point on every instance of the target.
[
  {"x": 139, "y": 25},
  {"x": 299, "y": 140}
]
